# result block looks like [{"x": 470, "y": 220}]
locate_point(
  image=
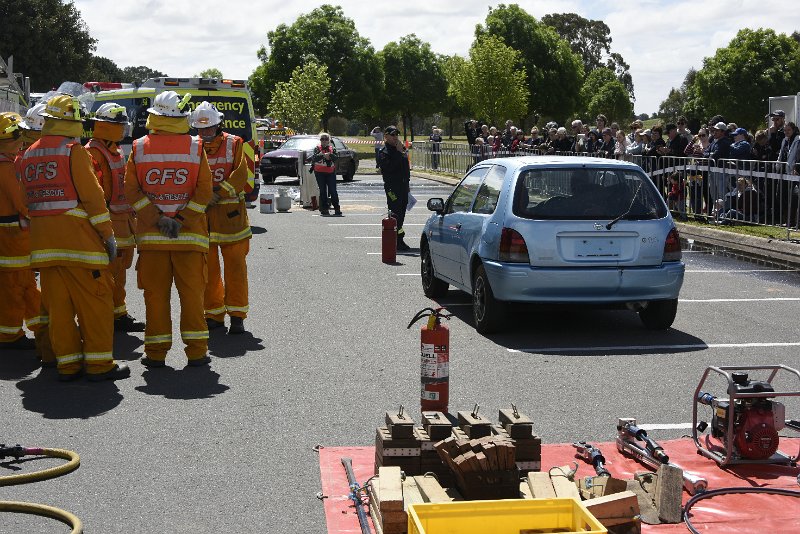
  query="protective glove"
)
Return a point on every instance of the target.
[
  {"x": 111, "y": 248},
  {"x": 169, "y": 227}
]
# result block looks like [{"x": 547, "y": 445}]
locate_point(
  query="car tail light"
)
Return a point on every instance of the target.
[
  {"x": 513, "y": 247},
  {"x": 672, "y": 247}
]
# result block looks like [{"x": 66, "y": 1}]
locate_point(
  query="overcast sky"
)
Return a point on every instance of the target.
[{"x": 660, "y": 40}]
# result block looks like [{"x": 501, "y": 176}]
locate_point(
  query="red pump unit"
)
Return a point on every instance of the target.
[
  {"x": 434, "y": 360},
  {"x": 389, "y": 239}
]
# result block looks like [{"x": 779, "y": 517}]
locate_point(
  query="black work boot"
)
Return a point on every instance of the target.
[
  {"x": 23, "y": 343},
  {"x": 214, "y": 324},
  {"x": 401, "y": 245},
  {"x": 199, "y": 362},
  {"x": 118, "y": 372},
  {"x": 126, "y": 323},
  {"x": 237, "y": 326}
]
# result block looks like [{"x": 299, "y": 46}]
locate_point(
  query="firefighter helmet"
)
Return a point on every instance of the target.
[
  {"x": 111, "y": 112},
  {"x": 169, "y": 104},
  {"x": 9, "y": 125},
  {"x": 64, "y": 107},
  {"x": 33, "y": 118},
  {"x": 205, "y": 115}
]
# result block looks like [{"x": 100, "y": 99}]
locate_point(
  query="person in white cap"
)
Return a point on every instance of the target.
[
  {"x": 168, "y": 183},
  {"x": 32, "y": 125},
  {"x": 228, "y": 224}
]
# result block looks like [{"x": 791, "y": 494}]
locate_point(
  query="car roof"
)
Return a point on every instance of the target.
[{"x": 563, "y": 161}]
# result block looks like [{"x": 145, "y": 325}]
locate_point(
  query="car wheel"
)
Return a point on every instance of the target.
[
  {"x": 487, "y": 312},
  {"x": 659, "y": 314},
  {"x": 431, "y": 286},
  {"x": 351, "y": 172}
]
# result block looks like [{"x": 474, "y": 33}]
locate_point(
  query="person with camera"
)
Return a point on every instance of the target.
[
  {"x": 396, "y": 172},
  {"x": 324, "y": 164}
]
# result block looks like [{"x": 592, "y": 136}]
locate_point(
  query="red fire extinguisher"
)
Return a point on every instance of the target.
[
  {"x": 434, "y": 360},
  {"x": 389, "y": 239}
]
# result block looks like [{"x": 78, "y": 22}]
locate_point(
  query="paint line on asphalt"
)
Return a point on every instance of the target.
[
  {"x": 700, "y": 346},
  {"x": 742, "y": 271},
  {"x": 666, "y": 426},
  {"x": 409, "y": 274}
]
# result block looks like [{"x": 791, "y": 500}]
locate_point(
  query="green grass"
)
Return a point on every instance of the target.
[{"x": 769, "y": 232}]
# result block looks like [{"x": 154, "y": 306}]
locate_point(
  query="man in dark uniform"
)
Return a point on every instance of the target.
[{"x": 396, "y": 172}]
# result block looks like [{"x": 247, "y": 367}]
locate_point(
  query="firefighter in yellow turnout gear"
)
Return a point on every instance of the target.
[
  {"x": 71, "y": 243},
  {"x": 229, "y": 227},
  {"x": 109, "y": 129},
  {"x": 18, "y": 292},
  {"x": 168, "y": 183}
]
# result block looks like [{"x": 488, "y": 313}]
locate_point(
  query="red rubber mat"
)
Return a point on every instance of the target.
[{"x": 730, "y": 514}]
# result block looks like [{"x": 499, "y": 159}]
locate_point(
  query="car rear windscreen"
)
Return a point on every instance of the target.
[{"x": 586, "y": 193}]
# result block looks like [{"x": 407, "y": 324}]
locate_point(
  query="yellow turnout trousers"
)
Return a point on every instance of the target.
[
  {"x": 119, "y": 270},
  {"x": 156, "y": 270},
  {"x": 68, "y": 292},
  {"x": 231, "y": 297},
  {"x": 20, "y": 301}
]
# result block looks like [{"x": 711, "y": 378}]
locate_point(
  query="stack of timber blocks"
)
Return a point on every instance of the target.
[{"x": 402, "y": 444}]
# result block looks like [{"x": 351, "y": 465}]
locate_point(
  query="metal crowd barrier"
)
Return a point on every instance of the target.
[{"x": 769, "y": 194}]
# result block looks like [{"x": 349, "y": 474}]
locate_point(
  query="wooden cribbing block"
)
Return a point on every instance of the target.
[
  {"x": 540, "y": 485},
  {"x": 525, "y": 490},
  {"x": 385, "y": 522},
  {"x": 474, "y": 425},
  {"x": 431, "y": 490},
  {"x": 517, "y": 425},
  {"x": 483, "y": 463},
  {"x": 411, "y": 493},
  {"x": 564, "y": 486},
  {"x": 669, "y": 490},
  {"x": 400, "y": 425},
  {"x": 390, "y": 489},
  {"x": 437, "y": 425},
  {"x": 615, "y": 509},
  {"x": 600, "y": 486}
]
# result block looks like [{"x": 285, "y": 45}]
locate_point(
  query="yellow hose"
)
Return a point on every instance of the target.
[
  {"x": 72, "y": 464},
  {"x": 43, "y": 510}
]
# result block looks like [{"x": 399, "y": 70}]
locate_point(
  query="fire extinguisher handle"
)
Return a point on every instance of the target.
[{"x": 420, "y": 314}]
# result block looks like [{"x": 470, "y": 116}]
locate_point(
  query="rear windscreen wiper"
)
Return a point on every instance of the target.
[{"x": 630, "y": 207}]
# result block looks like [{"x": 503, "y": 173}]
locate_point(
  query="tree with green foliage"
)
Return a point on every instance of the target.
[
  {"x": 302, "y": 100},
  {"x": 554, "y": 72},
  {"x": 48, "y": 39},
  {"x": 490, "y": 83},
  {"x": 417, "y": 85},
  {"x": 102, "y": 69},
  {"x": 140, "y": 74},
  {"x": 591, "y": 40},
  {"x": 258, "y": 82},
  {"x": 209, "y": 73},
  {"x": 613, "y": 101},
  {"x": 326, "y": 36},
  {"x": 596, "y": 80},
  {"x": 738, "y": 80}
]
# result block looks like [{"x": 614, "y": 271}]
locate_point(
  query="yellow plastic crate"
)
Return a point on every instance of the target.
[{"x": 517, "y": 516}]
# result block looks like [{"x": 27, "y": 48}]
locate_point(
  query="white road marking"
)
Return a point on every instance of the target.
[
  {"x": 665, "y": 426},
  {"x": 652, "y": 347},
  {"x": 409, "y": 274}
]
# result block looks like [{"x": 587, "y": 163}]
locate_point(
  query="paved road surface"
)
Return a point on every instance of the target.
[{"x": 230, "y": 449}]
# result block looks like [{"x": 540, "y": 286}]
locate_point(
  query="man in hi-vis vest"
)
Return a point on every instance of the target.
[
  {"x": 228, "y": 225},
  {"x": 168, "y": 183},
  {"x": 71, "y": 243},
  {"x": 108, "y": 130}
]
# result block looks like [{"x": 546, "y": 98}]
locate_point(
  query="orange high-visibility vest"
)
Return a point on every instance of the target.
[
  {"x": 221, "y": 161},
  {"x": 167, "y": 167},
  {"x": 47, "y": 177},
  {"x": 320, "y": 166},
  {"x": 117, "y": 203}
]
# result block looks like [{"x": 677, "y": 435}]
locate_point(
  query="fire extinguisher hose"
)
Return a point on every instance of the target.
[
  {"x": 73, "y": 461},
  {"x": 46, "y": 511},
  {"x": 434, "y": 316},
  {"x": 729, "y": 491}
]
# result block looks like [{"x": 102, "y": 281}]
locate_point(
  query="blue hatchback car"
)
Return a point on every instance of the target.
[{"x": 557, "y": 230}]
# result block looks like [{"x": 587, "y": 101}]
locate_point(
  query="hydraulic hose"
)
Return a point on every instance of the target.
[
  {"x": 73, "y": 461},
  {"x": 729, "y": 491},
  {"x": 45, "y": 511}
]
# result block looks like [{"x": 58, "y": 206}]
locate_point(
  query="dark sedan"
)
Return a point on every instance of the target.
[{"x": 283, "y": 161}]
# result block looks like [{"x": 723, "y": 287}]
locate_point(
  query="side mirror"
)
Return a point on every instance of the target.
[{"x": 436, "y": 204}]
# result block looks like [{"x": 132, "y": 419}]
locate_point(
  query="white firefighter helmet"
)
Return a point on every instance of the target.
[
  {"x": 33, "y": 118},
  {"x": 205, "y": 115},
  {"x": 169, "y": 104},
  {"x": 111, "y": 112}
]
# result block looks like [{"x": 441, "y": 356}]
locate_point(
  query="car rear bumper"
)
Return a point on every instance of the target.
[{"x": 523, "y": 283}]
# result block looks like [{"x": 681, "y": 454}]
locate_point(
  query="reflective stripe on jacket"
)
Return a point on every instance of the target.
[
  {"x": 322, "y": 166},
  {"x": 167, "y": 167},
  {"x": 117, "y": 202},
  {"x": 47, "y": 176},
  {"x": 222, "y": 161}
]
